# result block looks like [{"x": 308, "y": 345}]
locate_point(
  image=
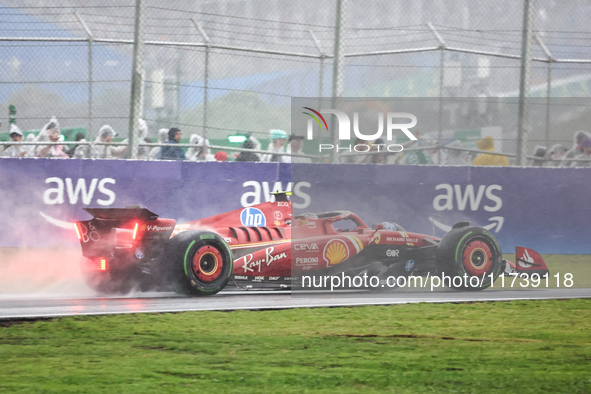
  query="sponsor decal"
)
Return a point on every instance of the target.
[
  {"x": 252, "y": 217},
  {"x": 274, "y": 277},
  {"x": 156, "y": 228},
  {"x": 88, "y": 234},
  {"x": 377, "y": 238},
  {"x": 526, "y": 261},
  {"x": 139, "y": 253},
  {"x": 410, "y": 264},
  {"x": 249, "y": 265},
  {"x": 402, "y": 239},
  {"x": 228, "y": 239},
  {"x": 283, "y": 204},
  {"x": 241, "y": 277},
  {"x": 277, "y": 215},
  {"x": 335, "y": 252},
  {"x": 392, "y": 252},
  {"x": 306, "y": 260},
  {"x": 305, "y": 247},
  {"x": 207, "y": 236},
  {"x": 259, "y": 278}
]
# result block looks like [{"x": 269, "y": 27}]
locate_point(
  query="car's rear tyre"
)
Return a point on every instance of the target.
[
  {"x": 472, "y": 254},
  {"x": 201, "y": 262}
]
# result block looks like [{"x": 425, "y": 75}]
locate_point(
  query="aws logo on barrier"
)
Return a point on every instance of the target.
[
  {"x": 258, "y": 192},
  {"x": 74, "y": 191},
  {"x": 469, "y": 198}
]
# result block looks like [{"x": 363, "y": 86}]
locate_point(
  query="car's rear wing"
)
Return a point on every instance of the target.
[{"x": 129, "y": 213}]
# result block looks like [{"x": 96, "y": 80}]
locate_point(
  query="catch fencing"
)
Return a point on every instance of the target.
[{"x": 197, "y": 80}]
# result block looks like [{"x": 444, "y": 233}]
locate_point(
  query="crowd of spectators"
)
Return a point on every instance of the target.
[{"x": 283, "y": 148}]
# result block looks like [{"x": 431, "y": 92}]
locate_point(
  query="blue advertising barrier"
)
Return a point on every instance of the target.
[{"x": 543, "y": 208}]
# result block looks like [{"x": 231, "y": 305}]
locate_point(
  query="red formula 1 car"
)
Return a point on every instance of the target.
[{"x": 263, "y": 246}]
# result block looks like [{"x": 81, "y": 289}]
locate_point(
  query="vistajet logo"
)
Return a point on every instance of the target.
[{"x": 394, "y": 122}]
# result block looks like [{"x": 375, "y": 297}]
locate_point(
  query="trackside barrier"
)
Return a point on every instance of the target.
[{"x": 547, "y": 209}]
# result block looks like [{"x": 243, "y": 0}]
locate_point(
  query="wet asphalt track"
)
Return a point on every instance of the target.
[{"x": 33, "y": 306}]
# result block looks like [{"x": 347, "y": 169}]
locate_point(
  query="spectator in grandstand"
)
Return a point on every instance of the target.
[
  {"x": 201, "y": 150},
  {"x": 555, "y": 155},
  {"x": 15, "y": 150},
  {"x": 455, "y": 156},
  {"x": 578, "y": 137},
  {"x": 221, "y": 156},
  {"x": 173, "y": 152},
  {"x": 121, "y": 151},
  {"x": 250, "y": 143},
  {"x": 584, "y": 159},
  {"x": 295, "y": 148},
  {"x": 540, "y": 156},
  {"x": 155, "y": 151},
  {"x": 486, "y": 159},
  {"x": 276, "y": 147},
  {"x": 50, "y": 133},
  {"x": 101, "y": 151},
  {"x": 71, "y": 152},
  {"x": 30, "y": 148}
]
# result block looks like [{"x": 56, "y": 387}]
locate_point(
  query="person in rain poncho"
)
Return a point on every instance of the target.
[
  {"x": 555, "y": 155},
  {"x": 584, "y": 159},
  {"x": 50, "y": 133},
  {"x": 295, "y": 148},
  {"x": 201, "y": 150},
  {"x": 106, "y": 135},
  {"x": 486, "y": 159},
  {"x": 276, "y": 147},
  {"x": 578, "y": 137},
  {"x": 15, "y": 150}
]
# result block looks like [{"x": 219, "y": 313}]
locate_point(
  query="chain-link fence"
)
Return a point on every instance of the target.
[{"x": 227, "y": 68}]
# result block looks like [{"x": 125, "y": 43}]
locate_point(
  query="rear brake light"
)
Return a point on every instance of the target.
[
  {"x": 77, "y": 231},
  {"x": 135, "y": 229},
  {"x": 103, "y": 265}
]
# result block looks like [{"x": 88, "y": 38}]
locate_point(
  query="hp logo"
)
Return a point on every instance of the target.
[{"x": 252, "y": 217}]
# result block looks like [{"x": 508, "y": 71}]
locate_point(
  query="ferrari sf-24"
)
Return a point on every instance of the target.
[{"x": 267, "y": 247}]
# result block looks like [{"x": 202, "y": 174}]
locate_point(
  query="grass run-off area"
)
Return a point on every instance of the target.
[{"x": 518, "y": 346}]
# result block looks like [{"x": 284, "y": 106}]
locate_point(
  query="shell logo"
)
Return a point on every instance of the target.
[{"x": 335, "y": 252}]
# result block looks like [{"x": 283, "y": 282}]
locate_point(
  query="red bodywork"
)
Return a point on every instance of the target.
[{"x": 276, "y": 244}]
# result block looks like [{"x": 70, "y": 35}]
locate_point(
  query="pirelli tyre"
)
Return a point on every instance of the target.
[
  {"x": 201, "y": 262},
  {"x": 471, "y": 254}
]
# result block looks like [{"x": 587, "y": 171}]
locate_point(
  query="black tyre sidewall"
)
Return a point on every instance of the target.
[
  {"x": 450, "y": 255},
  {"x": 184, "y": 246}
]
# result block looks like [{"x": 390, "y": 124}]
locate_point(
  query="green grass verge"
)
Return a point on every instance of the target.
[{"x": 520, "y": 346}]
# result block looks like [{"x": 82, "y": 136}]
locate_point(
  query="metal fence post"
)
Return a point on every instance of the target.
[
  {"x": 441, "y": 71},
  {"x": 548, "y": 87},
  {"x": 523, "y": 114},
  {"x": 205, "y": 74},
  {"x": 337, "y": 73},
  {"x": 136, "y": 80},
  {"x": 90, "y": 65}
]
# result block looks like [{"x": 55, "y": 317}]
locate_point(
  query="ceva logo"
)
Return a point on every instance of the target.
[
  {"x": 252, "y": 217},
  {"x": 344, "y": 132}
]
